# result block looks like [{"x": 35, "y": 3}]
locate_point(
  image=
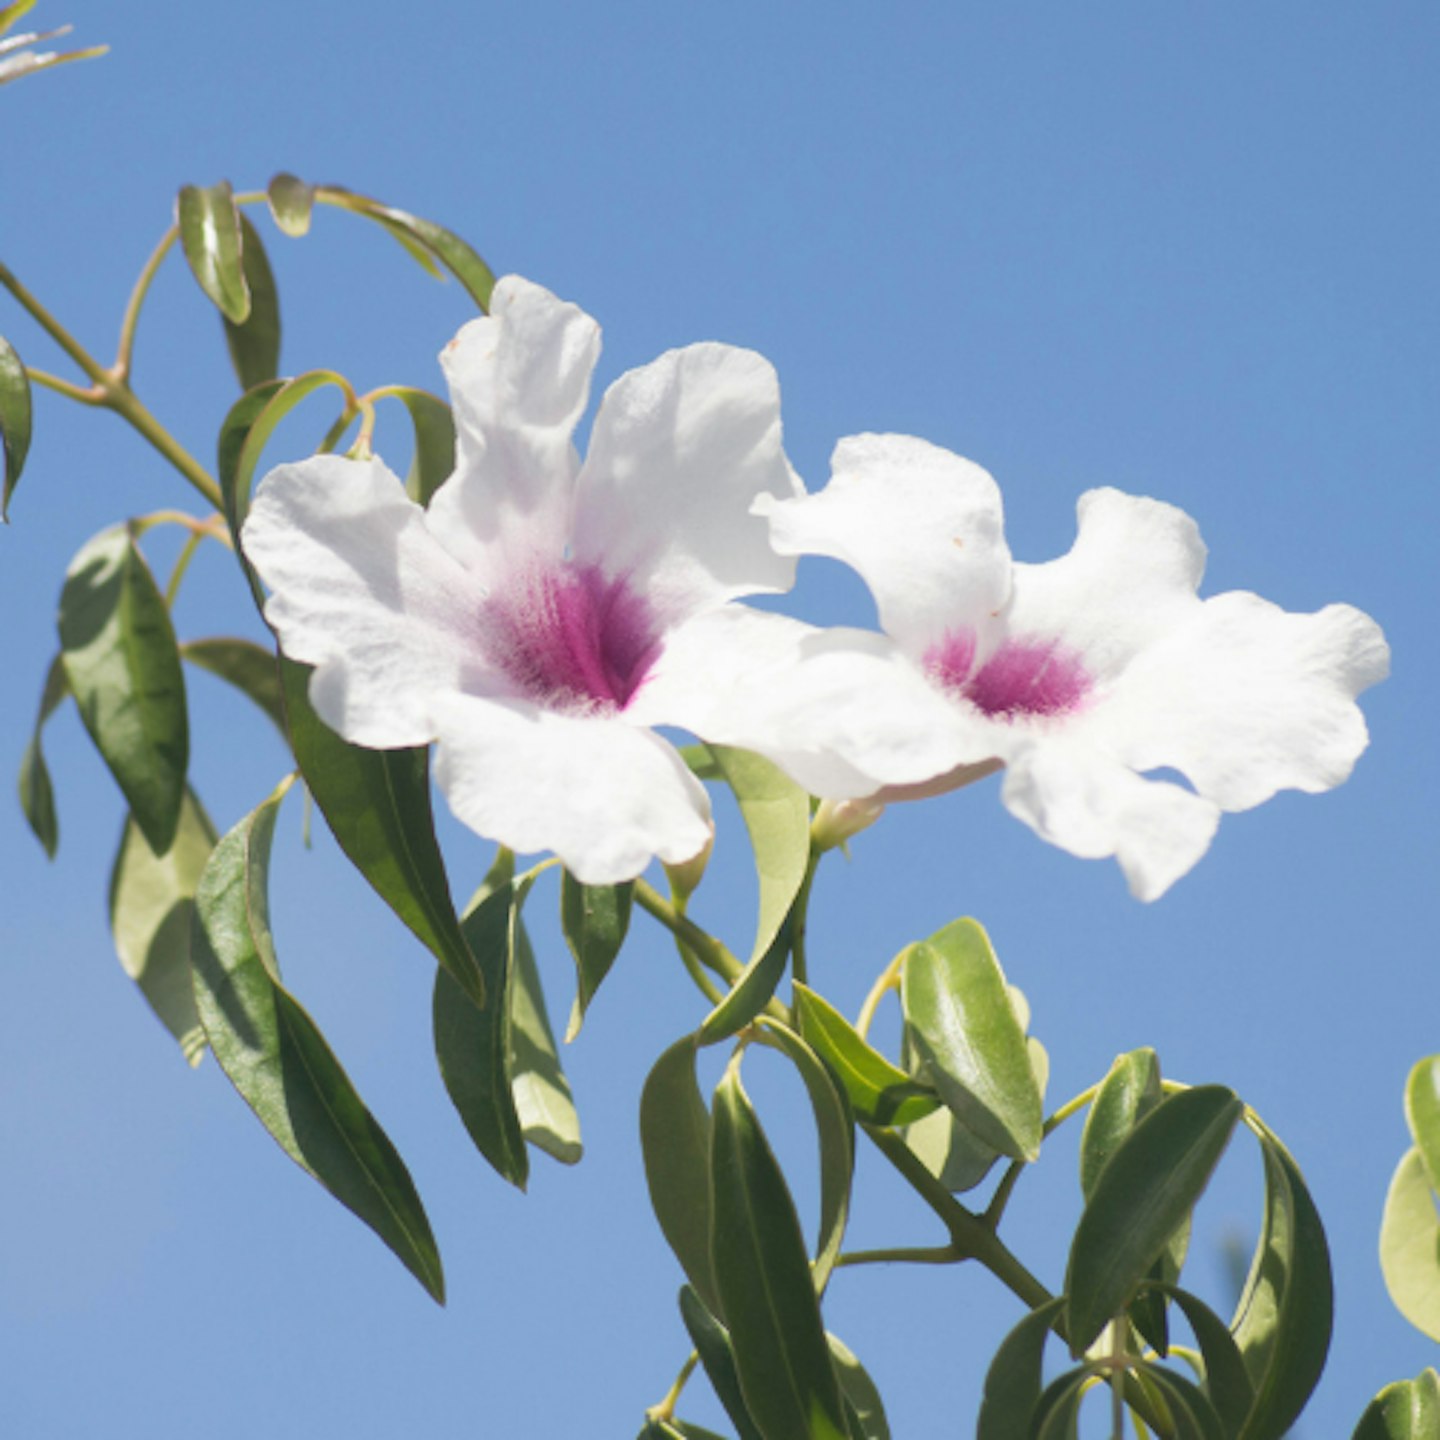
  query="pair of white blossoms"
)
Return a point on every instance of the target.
[{"x": 545, "y": 614}]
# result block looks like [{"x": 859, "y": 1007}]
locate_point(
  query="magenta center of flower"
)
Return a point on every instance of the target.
[
  {"x": 572, "y": 637},
  {"x": 1024, "y": 677}
]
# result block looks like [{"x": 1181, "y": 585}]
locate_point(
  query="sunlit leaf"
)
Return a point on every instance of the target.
[
  {"x": 37, "y": 794},
  {"x": 595, "y": 919},
  {"x": 250, "y": 668},
  {"x": 1410, "y": 1244},
  {"x": 209, "y": 224},
  {"x": 255, "y": 343},
  {"x": 377, "y": 804},
  {"x": 968, "y": 1039},
  {"x": 152, "y": 914},
  {"x": 712, "y": 1344},
  {"x": 1283, "y": 1322},
  {"x": 1015, "y": 1380},
  {"x": 1406, "y": 1410},
  {"x": 15, "y": 420},
  {"x": 1147, "y": 1188},
  {"x": 1227, "y": 1382},
  {"x": 860, "y": 1391},
  {"x": 123, "y": 668},
  {"x": 433, "y": 459},
  {"x": 776, "y": 812},
  {"x": 291, "y": 201},
  {"x": 675, "y": 1141},
  {"x": 278, "y": 1060},
  {"x": 543, "y": 1101},
  {"x": 1422, "y": 1112},
  {"x": 879, "y": 1092},
  {"x": 763, "y": 1275}
]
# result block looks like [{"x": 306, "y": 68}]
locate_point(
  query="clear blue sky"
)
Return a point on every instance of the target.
[{"x": 1186, "y": 250}]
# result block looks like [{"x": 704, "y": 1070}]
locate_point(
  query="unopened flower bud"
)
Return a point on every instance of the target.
[{"x": 837, "y": 820}]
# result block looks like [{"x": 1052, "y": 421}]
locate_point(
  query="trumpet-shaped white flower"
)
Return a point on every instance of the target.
[
  {"x": 542, "y": 614},
  {"x": 1078, "y": 675}
]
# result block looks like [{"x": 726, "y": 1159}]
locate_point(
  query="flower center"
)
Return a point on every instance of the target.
[
  {"x": 1024, "y": 677},
  {"x": 572, "y": 637}
]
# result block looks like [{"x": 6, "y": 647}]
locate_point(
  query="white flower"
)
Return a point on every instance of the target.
[
  {"x": 543, "y": 614},
  {"x": 1078, "y": 675}
]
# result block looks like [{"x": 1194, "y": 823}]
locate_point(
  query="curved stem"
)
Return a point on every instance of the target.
[
  {"x": 914, "y": 1255},
  {"x": 889, "y": 980},
  {"x": 92, "y": 396},
  {"x": 665, "y": 1410},
  {"x": 55, "y": 330},
  {"x": 126, "y": 348},
  {"x": 799, "y": 913},
  {"x": 705, "y": 948}
]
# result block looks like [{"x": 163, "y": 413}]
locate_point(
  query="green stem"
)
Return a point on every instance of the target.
[
  {"x": 914, "y": 1255},
  {"x": 799, "y": 912},
  {"x": 665, "y": 1410},
  {"x": 63, "y": 387},
  {"x": 126, "y": 348},
  {"x": 703, "y": 946}
]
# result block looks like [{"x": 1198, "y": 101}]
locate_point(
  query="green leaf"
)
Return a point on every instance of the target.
[
  {"x": 1284, "y": 1318},
  {"x": 712, "y": 1344},
  {"x": 279, "y": 1062},
  {"x": 255, "y": 343},
  {"x": 1057, "y": 1416},
  {"x": 1015, "y": 1380},
  {"x": 37, "y": 794},
  {"x": 835, "y": 1126},
  {"x": 595, "y": 919},
  {"x": 250, "y": 668},
  {"x": 1227, "y": 1382},
  {"x": 1147, "y": 1188},
  {"x": 1406, "y": 1410},
  {"x": 426, "y": 238},
  {"x": 291, "y": 201},
  {"x": 433, "y": 459},
  {"x": 675, "y": 1142},
  {"x": 879, "y": 1093},
  {"x": 1410, "y": 1244},
  {"x": 776, "y": 812},
  {"x": 1194, "y": 1416},
  {"x": 543, "y": 1100},
  {"x": 1422, "y": 1112},
  {"x": 209, "y": 224},
  {"x": 377, "y": 804},
  {"x": 951, "y": 1152},
  {"x": 767, "y": 1296},
  {"x": 15, "y": 420},
  {"x": 860, "y": 1390},
  {"x": 968, "y": 1040},
  {"x": 152, "y": 915},
  {"x": 473, "y": 1043},
  {"x": 123, "y": 668}
]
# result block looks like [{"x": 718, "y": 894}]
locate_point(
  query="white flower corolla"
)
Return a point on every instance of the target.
[
  {"x": 543, "y": 614},
  {"x": 1078, "y": 676}
]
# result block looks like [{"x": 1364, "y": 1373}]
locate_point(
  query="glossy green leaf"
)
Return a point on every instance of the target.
[
  {"x": 1406, "y": 1410},
  {"x": 255, "y": 343},
  {"x": 433, "y": 459},
  {"x": 152, "y": 913},
  {"x": 209, "y": 224},
  {"x": 37, "y": 794},
  {"x": 123, "y": 668},
  {"x": 701, "y": 763},
  {"x": 1283, "y": 1322},
  {"x": 426, "y": 237},
  {"x": 377, "y": 804},
  {"x": 712, "y": 1344},
  {"x": 473, "y": 1043},
  {"x": 967, "y": 1038},
  {"x": 543, "y": 1101},
  {"x": 860, "y": 1392},
  {"x": 675, "y": 1142},
  {"x": 835, "y": 1126},
  {"x": 1410, "y": 1244},
  {"x": 1141, "y": 1197},
  {"x": 1422, "y": 1112},
  {"x": 953, "y": 1154},
  {"x": 879, "y": 1092},
  {"x": 278, "y": 1060},
  {"x": 763, "y": 1275},
  {"x": 1227, "y": 1382},
  {"x": 15, "y": 420},
  {"x": 1194, "y": 1416},
  {"x": 1015, "y": 1380},
  {"x": 291, "y": 200},
  {"x": 595, "y": 919},
  {"x": 250, "y": 668},
  {"x": 1057, "y": 1416},
  {"x": 776, "y": 812}
]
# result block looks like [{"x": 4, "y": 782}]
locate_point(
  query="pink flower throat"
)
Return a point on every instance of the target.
[
  {"x": 572, "y": 637},
  {"x": 1024, "y": 677}
]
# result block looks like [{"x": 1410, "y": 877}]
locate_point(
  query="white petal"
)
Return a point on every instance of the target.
[
  {"x": 519, "y": 382},
  {"x": 605, "y": 796},
  {"x": 1129, "y": 579},
  {"x": 680, "y": 449},
  {"x": 1093, "y": 806},
  {"x": 843, "y": 712},
  {"x": 923, "y": 528},
  {"x": 360, "y": 589},
  {"x": 1248, "y": 699}
]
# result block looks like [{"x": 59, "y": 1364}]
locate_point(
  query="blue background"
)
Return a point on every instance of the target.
[{"x": 1186, "y": 250}]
